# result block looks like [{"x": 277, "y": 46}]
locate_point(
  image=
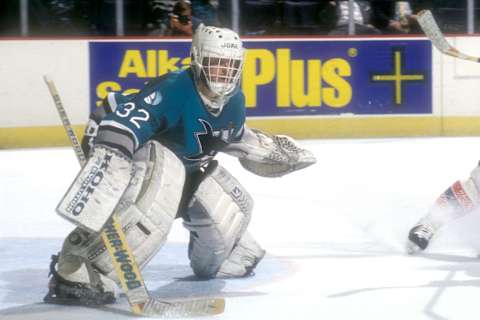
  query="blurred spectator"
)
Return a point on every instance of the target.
[
  {"x": 158, "y": 15},
  {"x": 301, "y": 17},
  {"x": 393, "y": 17},
  {"x": 103, "y": 16},
  {"x": 452, "y": 15},
  {"x": 259, "y": 17},
  {"x": 362, "y": 16},
  {"x": 224, "y": 14},
  {"x": 59, "y": 17},
  {"x": 181, "y": 22},
  {"x": 206, "y": 11},
  {"x": 405, "y": 15}
]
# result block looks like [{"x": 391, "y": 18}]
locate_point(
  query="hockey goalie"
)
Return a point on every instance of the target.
[{"x": 152, "y": 160}]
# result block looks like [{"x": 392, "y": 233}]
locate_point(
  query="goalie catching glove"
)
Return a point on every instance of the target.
[{"x": 270, "y": 156}]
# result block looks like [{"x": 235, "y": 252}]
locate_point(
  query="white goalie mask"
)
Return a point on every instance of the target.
[{"x": 217, "y": 59}]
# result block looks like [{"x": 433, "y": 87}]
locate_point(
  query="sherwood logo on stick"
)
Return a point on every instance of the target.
[{"x": 121, "y": 257}]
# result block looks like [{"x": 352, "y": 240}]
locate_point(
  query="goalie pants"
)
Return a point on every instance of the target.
[{"x": 217, "y": 217}]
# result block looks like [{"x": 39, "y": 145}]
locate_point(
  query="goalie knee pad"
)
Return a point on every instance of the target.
[
  {"x": 148, "y": 209},
  {"x": 217, "y": 217}
]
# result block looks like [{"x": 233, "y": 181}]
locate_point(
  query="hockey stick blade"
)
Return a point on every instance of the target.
[
  {"x": 432, "y": 31},
  {"x": 186, "y": 308}
]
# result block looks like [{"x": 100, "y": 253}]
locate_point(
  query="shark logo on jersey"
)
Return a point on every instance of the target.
[
  {"x": 154, "y": 98},
  {"x": 210, "y": 142}
]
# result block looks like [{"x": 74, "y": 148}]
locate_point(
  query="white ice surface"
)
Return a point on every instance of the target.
[{"x": 335, "y": 235}]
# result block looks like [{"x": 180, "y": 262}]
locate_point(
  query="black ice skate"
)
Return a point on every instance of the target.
[
  {"x": 65, "y": 292},
  {"x": 419, "y": 237}
]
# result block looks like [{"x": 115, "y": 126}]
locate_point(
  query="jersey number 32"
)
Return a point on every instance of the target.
[{"x": 128, "y": 108}]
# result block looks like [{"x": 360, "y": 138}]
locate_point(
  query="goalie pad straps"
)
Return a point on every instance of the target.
[{"x": 95, "y": 192}]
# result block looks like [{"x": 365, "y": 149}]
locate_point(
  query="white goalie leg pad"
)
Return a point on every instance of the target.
[
  {"x": 217, "y": 217},
  {"x": 149, "y": 209},
  {"x": 244, "y": 257},
  {"x": 96, "y": 190},
  {"x": 148, "y": 221}
]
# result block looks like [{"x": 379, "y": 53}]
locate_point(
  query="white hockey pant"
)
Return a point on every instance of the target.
[
  {"x": 146, "y": 211},
  {"x": 217, "y": 218},
  {"x": 458, "y": 200}
]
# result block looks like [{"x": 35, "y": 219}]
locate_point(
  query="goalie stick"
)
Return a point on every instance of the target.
[
  {"x": 139, "y": 299},
  {"x": 432, "y": 31}
]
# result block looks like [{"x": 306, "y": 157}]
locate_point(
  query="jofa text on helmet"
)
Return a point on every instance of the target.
[{"x": 229, "y": 45}]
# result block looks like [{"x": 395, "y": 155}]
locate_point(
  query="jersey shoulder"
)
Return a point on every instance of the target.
[
  {"x": 238, "y": 98},
  {"x": 173, "y": 86}
]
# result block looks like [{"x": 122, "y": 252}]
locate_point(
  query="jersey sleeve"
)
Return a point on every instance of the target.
[
  {"x": 109, "y": 104},
  {"x": 136, "y": 121}
]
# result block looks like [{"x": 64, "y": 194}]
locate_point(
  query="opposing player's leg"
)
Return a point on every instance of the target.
[
  {"x": 217, "y": 218},
  {"x": 84, "y": 273},
  {"x": 455, "y": 202}
]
